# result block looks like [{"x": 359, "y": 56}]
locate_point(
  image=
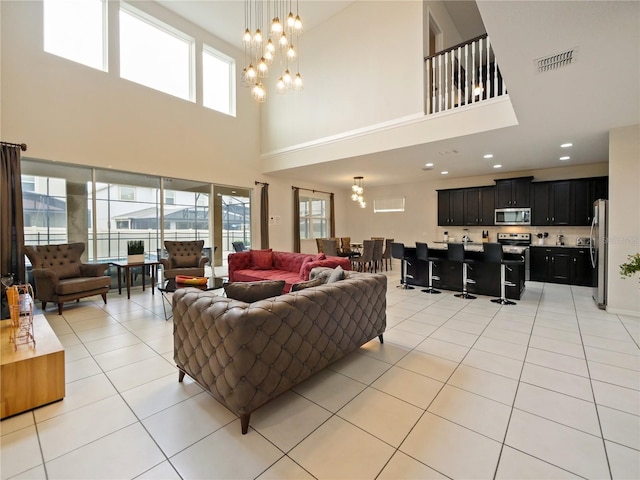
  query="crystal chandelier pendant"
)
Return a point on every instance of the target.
[
  {"x": 287, "y": 77},
  {"x": 298, "y": 84},
  {"x": 259, "y": 93},
  {"x": 281, "y": 87}
]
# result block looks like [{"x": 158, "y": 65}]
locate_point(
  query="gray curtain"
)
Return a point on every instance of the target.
[
  {"x": 11, "y": 219},
  {"x": 296, "y": 219},
  {"x": 264, "y": 216},
  {"x": 332, "y": 214}
]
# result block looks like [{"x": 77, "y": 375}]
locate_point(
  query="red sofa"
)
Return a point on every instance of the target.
[{"x": 256, "y": 265}]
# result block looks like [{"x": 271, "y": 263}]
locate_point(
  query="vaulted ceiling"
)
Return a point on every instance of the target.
[{"x": 578, "y": 104}]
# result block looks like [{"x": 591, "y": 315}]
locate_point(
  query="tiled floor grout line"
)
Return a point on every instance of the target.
[
  {"x": 593, "y": 394},
  {"x": 515, "y": 395}
]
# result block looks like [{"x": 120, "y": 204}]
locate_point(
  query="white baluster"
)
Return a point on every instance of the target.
[
  {"x": 473, "y": 77},
  {"x": 439, "y": 83},
  {"x": 445, "y": 74},
  {"x": 480, "y": 68},
  {"x": 459, "y": 76},
  {"x": 433, "y": 84},
  {"x": 466, "y": 74},
  {"x": 488, "y": 81}
]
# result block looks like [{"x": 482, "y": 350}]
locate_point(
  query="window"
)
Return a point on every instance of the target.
[
  {"x": 218, "y": 81},
  {"x": 313, "y": 218},
  {"x": 155, "y": 55},
  {"x": 77, "y": 31},
  {"x": 169, "y": 197},
  {"x": 384, "y": 205},
  {"x": 127, "y": 193},
  {"x": 28, "y": 183}
]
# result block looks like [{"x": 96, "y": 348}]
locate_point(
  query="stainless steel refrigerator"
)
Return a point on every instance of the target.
[{"x": 598, "y": 247}]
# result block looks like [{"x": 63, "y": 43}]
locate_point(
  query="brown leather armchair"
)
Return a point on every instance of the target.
[
  {"x": 61, "y": 276},
  {"x": 185, "y": 258}
]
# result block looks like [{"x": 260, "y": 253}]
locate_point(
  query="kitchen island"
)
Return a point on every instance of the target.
[{"x": 486, "y": 275}]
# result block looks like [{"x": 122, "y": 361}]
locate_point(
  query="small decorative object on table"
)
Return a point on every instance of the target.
[
  {"x": 135, "y": 251},
  {"x": 541, "y": 237},
  {"x": 187, "y": 280},
  {"x": 20, "y": 299}
]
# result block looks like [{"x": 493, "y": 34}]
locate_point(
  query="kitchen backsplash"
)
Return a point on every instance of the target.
[{"x": 475, "y": 233}]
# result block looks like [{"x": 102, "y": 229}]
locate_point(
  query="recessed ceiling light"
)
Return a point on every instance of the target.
[
  {"x": 488, "y": 155},
  {"x": 565, "y": 158},
  {"x": 444, "y": 172},
  {"x": 566, "y": 145},
  {"x": 497, "y": 166},
  {"x": 428, "y": 165}
]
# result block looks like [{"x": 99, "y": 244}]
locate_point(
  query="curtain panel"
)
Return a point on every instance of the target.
[
  {"x": 11, "y": 218},
  {"x": 264, "y": 216},
  {"x": 332, "y": 213},
  {"x": 296, "y": 219}
]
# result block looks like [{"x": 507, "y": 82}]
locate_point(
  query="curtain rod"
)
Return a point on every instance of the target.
[
  {"x": 23, "y": 146},
  {"x": 261, "y": 183},
  {"x": 309, "y": 190}
]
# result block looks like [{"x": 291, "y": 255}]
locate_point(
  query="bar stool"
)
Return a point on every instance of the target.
[
  {"x": 422, "y": 253},
  {"x": 397, "y": 251},
  {"x": 455, "y": 253},
  {"x": 493, "y": 253}
]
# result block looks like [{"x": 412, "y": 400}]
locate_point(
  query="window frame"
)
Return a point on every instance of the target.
[
  {"x": 104, "y": 67},
  {"x": 170, "y": 30},
  {"x": 209, "y": 50},
  {"x": 325, "y": 219}
]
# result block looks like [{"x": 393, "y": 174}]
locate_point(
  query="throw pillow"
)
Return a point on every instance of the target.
[
  {"x": 183, "y": 261},
  {"x": 262, "y": 259},
  {"x": 250, "y": 292},
  {"x": 337, "y": 274},
  {"x": 308, "y": 284}
]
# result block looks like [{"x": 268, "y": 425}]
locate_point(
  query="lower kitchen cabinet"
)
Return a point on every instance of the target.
[{"x": 562, "y": 265}]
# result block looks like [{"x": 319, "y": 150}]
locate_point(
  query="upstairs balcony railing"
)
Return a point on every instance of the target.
[{"x": 462, "y": 75}]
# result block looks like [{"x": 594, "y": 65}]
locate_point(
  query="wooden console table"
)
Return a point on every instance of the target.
[{"x": 30, "y": 376}]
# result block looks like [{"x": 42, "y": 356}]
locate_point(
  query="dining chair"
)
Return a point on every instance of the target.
[
  {"x": 386, "y": 256},
  {"x": 362, "y": 263},
  {"x": 319, "y": 245},
  {"x": 376, "y": 260},
  {"x": 330, "y": 247}
]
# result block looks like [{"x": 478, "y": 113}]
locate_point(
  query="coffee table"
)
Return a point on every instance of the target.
[{"x": 170, "y": 286}]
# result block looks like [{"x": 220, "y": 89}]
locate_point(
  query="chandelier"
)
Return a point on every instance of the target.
[
  {"x": 357, "y": 190},
  {"x": 272, "y": 49}
]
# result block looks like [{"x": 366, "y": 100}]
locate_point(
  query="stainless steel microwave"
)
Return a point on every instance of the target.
[{"x": 512, "y": 216}]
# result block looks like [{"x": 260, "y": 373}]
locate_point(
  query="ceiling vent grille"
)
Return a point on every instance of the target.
[{"x": 556, "y": 61}]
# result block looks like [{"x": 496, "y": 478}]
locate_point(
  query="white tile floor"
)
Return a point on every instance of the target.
[{"x": 548, "y": 388}]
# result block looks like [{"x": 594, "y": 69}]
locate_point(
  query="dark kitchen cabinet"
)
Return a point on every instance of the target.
[
  {"x": 512, "y": 192},
  {"x": 561, "y": 265},
  {"x": 479, "y": 206},
  {"x": 450, "y": 207},
  {"x": 566, "y": 202}
]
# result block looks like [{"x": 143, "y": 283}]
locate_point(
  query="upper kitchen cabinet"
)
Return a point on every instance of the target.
[
  {"x": 566, "y": 202},
  {"x": 479, "y": 206},
  {"x": 450, "y": 207},
  {"x": 512, "y": 192}
]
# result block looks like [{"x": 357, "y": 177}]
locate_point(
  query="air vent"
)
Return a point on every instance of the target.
[
  {"x": 383, "y": 205},
  {"x": 556, "y": 61}
]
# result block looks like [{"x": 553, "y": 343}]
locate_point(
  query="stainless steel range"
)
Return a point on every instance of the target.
[{"x": 518, "y": 240}]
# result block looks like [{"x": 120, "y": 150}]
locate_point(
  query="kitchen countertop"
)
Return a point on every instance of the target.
[
  {"x": 478, "y": 247},
  {"x": 559, "y": 246}
]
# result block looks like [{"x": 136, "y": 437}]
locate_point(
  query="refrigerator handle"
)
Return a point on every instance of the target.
[{"x": 592, "y": 242}]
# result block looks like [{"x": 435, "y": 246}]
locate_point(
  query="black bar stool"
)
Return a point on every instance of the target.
[
  {"x": 397, "y": 251},
  {"x": 422, "y": 253},
  {"x": 493, "y": 253},
  {"x": 456, "y": 254}
]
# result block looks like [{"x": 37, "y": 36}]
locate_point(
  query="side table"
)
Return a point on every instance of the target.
[
  {"x": 126, "y": 266},
  {"x": 30, "y": 375}
]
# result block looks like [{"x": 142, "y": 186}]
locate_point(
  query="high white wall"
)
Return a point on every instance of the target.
[
  {"x": 362, "y": 67},
  {"x": 419, "y": 221},
  {"x": 70, "y": 113},
  {"x": 624, "y": 218}
]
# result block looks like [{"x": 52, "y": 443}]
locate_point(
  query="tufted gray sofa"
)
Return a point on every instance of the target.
[{"x": 247, "y": 354}]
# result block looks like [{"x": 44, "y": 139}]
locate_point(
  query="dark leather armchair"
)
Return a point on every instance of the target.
[
  {"x": 185, "y": 258},
  {"x": 61, "y": 276}
]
